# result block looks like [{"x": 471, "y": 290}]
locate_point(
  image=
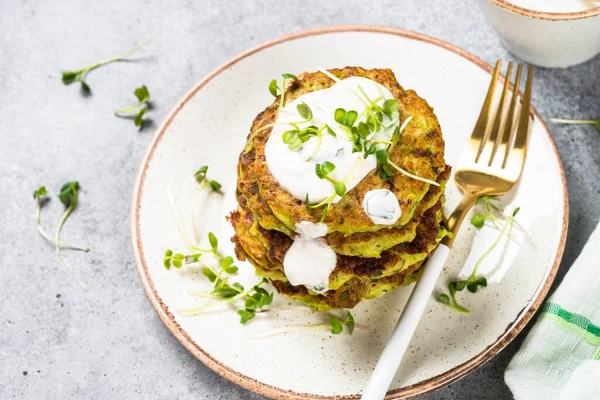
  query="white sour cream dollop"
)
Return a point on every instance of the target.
[
  {"x": 382, "y": 206},
  {"x": 292, "y": 170},
  {"x": 310, "y": 261}
]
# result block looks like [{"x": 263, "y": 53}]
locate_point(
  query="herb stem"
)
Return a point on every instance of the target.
[
  {"x": 130, "y": 110},
  {"x": 43, "y": 233},
  {"x": 575, "y": 121},
  {"x": 182, "y": 231},
  {"x": 290, "y": 329},
  {"x": 490, "y": 249},
  {"x": 412, "y": 175},
  {"x": 61, "y": 222},
  {"x": 89, "y": 68},
  {"x": 319, "y": 140}
]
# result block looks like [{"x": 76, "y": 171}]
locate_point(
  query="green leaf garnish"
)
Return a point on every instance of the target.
[
  {"x": 290, "y": 76},
  {"x": 340, "y": 189},
  {"x": 68, "y": 194},
  {"x": 214, "y": 243},
  {"x": 246, "y": 316},
  {"x": 201, "y": 178},
  {"x": 327, "y": 168},
  {"x": 273, "y": 88},
  {"x": 138, "y": 110},
  {"x": 304, "y": 111},
  {"x": 337, "y": 326},
  {"x": 69, "y": 77},
  {"x": 215, "y": 186},
  {"x": 39, "y": 192},
  {"x": 390, "y": 108},
  {"x": 345, "y": 118},
  {"x": 382, "y": 156},
  {"x": 200, "y": 175},
  {"x": 478, "y": 220},
  {"x": 173, "y": 260}
]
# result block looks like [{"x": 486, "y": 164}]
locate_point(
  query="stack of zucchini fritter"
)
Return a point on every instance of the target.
[{"x": 371, "y": 259}]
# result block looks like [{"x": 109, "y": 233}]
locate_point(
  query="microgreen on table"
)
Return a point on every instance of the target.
[
  {"x": 503, "y": 223},
  {"x": 137, "y": 110},
  {"x": 594, "y": 122},
  {"x": 40, "y": 195},
  {"x": 70, "y": 198},
  {"x": 69, "y": 77}
]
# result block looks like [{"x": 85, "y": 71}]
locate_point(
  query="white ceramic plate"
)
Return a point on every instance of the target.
[{"x": 209, "y": 126}]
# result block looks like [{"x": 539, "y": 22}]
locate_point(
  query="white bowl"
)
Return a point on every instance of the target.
[{"x": 546, "y": 39}]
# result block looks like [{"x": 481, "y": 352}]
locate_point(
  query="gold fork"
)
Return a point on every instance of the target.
[
  {"x": 490, "y": 165},
  {"x": 480, "y": 172}
]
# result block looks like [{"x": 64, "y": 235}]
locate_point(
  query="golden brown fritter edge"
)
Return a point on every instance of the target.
[{"x": 353, "y": 279}]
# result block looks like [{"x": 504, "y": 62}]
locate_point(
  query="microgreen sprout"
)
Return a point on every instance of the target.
[
  {"x": 322, "y": 171},
  {"x": 594, "y": 122},
  {"x": 39, "y": 196},
  {"x": 177, "y": 260},
  {"x": 254, "y": 299},
  {"x": 337, "y": 325},
  {"x": 138, "y": 110},
  {"x": 69, "y": 77},
  {"x": 275, "y": 90},
  {"x": 69, "y": 197},
  {"x": 473, "y": 282},
  {"x": 296, "y": 137},
  {"x": 201, "y": 178}
]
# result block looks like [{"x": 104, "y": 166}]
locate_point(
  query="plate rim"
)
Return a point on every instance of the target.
[{"x": 411, "y": 391}]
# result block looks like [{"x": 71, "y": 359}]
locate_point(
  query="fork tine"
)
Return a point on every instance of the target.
[
  {"x": 480, "y": 129},
  {"x": 508, "y": 136},
  {"x": 495, "y": 136},
  {"x": 521, "y": 139},
  {"x": 523, "y": 128}
]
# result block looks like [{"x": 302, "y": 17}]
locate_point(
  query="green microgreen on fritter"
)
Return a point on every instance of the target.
[
  {"x": 276, "y": 90},
  {"x": 137, "y": 110},
  {"x": 323, "y": 171},
  {"x": 594, "y": 122},
  {"x": 79, "y": 75},
  {"x": 503, "y": 223}
]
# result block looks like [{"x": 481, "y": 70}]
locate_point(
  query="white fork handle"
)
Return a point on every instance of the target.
[{"x": 393, "y": 353}]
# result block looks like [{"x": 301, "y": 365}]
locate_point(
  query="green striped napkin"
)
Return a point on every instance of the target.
[{"x": 560, "y": 358}]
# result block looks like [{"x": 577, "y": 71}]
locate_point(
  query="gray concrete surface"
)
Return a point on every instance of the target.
[{"x": 57, "y": 341}]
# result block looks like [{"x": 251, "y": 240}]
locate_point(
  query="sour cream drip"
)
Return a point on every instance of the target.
[
  {"x": 310, "y": 261},
  {"x": 382, "y": 206},
  {"x": 291, "y": 168}
]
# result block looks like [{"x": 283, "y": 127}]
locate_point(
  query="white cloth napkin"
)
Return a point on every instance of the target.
[{"x": 560, "y": 358}]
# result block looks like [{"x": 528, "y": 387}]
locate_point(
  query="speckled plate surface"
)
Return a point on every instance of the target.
[{"x": 209, "y": 126}]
